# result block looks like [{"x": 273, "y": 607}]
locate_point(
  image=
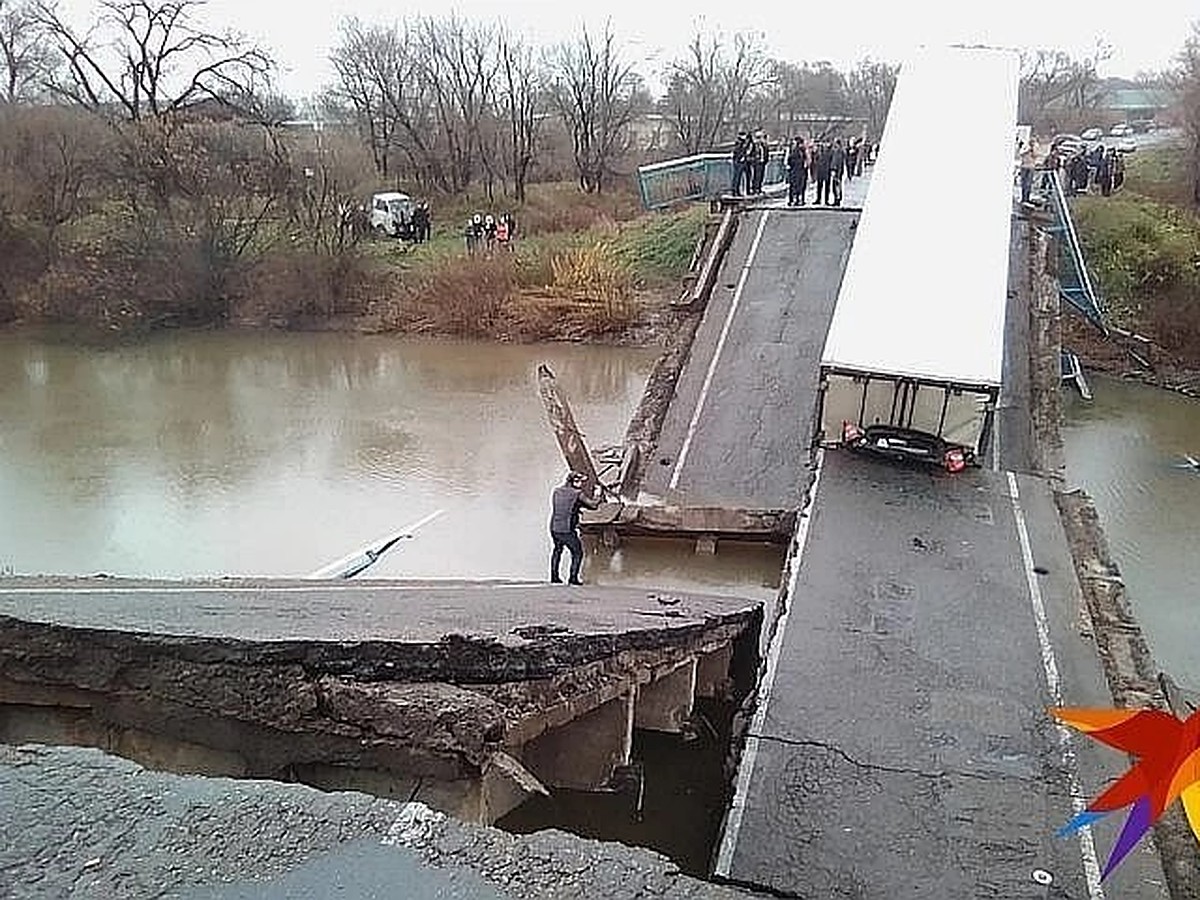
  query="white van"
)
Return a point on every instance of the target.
[{"x": 391, "y": 214}]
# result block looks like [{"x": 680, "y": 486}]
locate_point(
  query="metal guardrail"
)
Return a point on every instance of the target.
[
  {"x": 704, "y": 176},
  {"x": 1074, "y": 281}
]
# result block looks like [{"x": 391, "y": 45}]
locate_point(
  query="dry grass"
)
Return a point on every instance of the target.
[
  {"x": 589, "y": 293},
  {"x": 464, "y": 298}
]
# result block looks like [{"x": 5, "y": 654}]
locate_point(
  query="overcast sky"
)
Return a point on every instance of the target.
[{"x": 1144, "y": 35}]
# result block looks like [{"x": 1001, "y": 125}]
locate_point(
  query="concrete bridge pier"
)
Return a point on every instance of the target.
[{"x": 585, "y": 751}]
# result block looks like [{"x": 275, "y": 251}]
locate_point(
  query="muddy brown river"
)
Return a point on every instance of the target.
[
  {"x": 1128, "y": 448},
  {"x": 273, "y": 454}
]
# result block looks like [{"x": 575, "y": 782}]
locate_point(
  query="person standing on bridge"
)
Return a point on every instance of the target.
[
  {"x": 837, "y": 170},
  {"x": 797, "y": 171},
  {"x": 565, "y": 503},
  {"x": 759, "y": 153},
  {"x": 741, "y": 153},
  {"x": 820, "y": 164}
]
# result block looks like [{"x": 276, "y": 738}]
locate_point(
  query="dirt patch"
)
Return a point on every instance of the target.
[{"x": 1133, "y": 355}]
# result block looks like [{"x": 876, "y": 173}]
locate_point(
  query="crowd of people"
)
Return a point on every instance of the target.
[
  {"x": 824, "y": 163},
  {"x": 487, "y": 232},
  {"x": 1081, "y": 169}
]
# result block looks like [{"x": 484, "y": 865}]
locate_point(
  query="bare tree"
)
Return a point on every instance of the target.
[
  {"x": 460, "y": 64},
  {"x": 595, "y": 92},
  {"x": 1052, "y": 80},
  {"x": 25, "y": 60},
  {"x": 517, "y": 101},
  {"x": 1186, "y": 81},
  {"x": 870, "y": 87},
  {"x": 201, "y": 196},
  {"x": 809, "y": 92},
  {"x": 707, "y": 88},
  {"x": 149, "y": 57},
  {"x": 374, "y": 68}
]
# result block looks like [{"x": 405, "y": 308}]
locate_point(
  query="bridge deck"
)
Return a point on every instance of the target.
[
  {"x": 904, "y": 749},
  {"x": 399, "y": 612},
  {"x": 737, "y": 430}
]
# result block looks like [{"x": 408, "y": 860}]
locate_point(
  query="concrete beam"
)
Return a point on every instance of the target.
[
  {"x": 582, "y": 753},
  {"x": 701, "y": 522},
  {"x": 665, "y": 704}
]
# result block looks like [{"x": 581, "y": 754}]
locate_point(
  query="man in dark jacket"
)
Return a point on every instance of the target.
[
  {"x": 837, "y": 170},
  {"x": 741, "y": 152},
  {"x": 820, "y": 166},
  {"x": 797, "y": 171},
  {"x": 565, "y": 504},
  {"x": 757, "y": 160}
]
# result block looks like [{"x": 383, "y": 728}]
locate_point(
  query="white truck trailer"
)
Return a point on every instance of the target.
[{"x": 915, "y": 347}]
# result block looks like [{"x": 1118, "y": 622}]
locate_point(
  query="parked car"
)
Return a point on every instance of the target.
[
  {"x": 1127, "y": 146},
  {"x": 1093, "y": 134},
  {"x": 1120, "y": 130},
  {"x": 1142, "y": 126},
  {"x": 894, "y": 442},
  {"x": 1066, "y": 144}
]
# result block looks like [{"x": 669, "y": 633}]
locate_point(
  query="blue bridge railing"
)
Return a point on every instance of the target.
[
  {"x": 704, "y": 176},
  {"x": 1074, "y": 281}
]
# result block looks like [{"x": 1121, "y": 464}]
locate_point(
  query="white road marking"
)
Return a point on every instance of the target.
[
  {"x": 712, "y": 366},
  {"x": 1087, "y": 844},
  {"x": 733, "y": 823}
]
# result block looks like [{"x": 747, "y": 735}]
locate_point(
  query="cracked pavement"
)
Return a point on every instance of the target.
[
  {"x": 905, "y": 750},
  {"x": 80, "y": 824}
]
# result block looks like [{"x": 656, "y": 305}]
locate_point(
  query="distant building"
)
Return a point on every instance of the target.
[{"x": 1128, "y": 101}]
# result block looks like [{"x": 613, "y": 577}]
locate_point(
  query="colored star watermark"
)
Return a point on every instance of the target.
[{"x": 1167, "y": 767}]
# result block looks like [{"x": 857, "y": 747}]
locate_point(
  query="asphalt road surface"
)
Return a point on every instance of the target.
[
  {"x": 736, "y": 434},
  {"x": 78, "y": 824},
  {"x": 904, "y": 749},
  {"x": 407, "y": 612}
]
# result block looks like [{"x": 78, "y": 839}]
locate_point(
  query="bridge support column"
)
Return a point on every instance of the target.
[
  {"x": 713, "y": 678},
  {"x": 582, "y": 753},
  {"x": 666, "y": 703}
]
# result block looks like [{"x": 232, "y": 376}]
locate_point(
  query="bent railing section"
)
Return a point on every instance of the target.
[{"x": 1074, "y": 281}]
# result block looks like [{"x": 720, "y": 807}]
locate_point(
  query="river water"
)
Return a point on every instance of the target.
[
  {"x": 273, "y": 454},
  {"x": 251, "y": 454},
  {"x": 1126, "y": 449}
]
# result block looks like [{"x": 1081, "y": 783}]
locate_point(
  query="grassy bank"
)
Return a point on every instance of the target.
[
  {"x": 584, "y": 267},
  {"x": 1143, "y": 247},
  {"x": 596, "y": 279}
]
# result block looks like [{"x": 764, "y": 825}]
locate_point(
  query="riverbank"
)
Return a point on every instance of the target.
[
  {"x": 584, "y": 268},
  {"x": 1130, "y": 355},
  {"x": 1141, "y": 245}
]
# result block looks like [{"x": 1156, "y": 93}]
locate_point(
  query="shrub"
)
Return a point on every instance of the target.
[
  {"x": 288, "y": 286},
  {"x": 464, "y": 297},
  {"x": 1139, "y": 250},
  {"x": 595, "y": 275}
]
